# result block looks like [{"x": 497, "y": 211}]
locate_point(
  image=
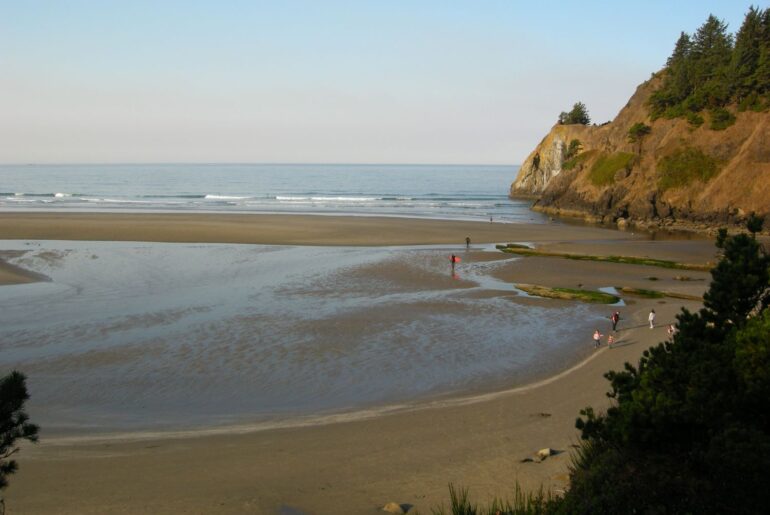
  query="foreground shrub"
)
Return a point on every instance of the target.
[{"x": 690, "y": 428}]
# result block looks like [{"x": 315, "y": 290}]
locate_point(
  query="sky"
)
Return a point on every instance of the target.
[{"x": 390, "y": 81}]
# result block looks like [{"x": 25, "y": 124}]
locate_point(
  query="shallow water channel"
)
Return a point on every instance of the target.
[{"x": 152, "y": 336}]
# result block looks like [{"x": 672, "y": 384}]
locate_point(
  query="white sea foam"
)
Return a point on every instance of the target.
[
  {"x": 469, "y": 193},
  {"x": 224, "y": 197}
]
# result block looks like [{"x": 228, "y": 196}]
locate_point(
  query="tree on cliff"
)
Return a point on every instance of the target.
[
  {"x": 578, "y": 114},
  {"x": 745, "y": 58},
  {"x": 712, "y": 69},
  {"x": 14, "y": 423},
  {"x": 636, "y": 134},
  {"x": 690, "y": 428}
]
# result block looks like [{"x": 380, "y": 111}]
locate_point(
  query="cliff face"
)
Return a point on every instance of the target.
[{"x": 610, "y": 179}]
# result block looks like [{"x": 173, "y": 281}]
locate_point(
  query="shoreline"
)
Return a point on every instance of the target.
[
  {"x": 294, "y": 229},
  {"x": 356, "y": 464},
  {"x": 406, "y": 456},
  {"x": 443, "y": 401}
]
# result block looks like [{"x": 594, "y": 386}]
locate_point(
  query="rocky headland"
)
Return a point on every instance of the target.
[{"x": 603, "y": 174}]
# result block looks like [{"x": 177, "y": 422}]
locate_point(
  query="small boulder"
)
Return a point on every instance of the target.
[
  {"x": 393, "y": 507},
  {"x": 544, "y": 453},
  {"x": 622, "y": 223}
]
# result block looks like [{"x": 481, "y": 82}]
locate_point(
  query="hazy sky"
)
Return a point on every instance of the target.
[{"x": 320, "y": 81}]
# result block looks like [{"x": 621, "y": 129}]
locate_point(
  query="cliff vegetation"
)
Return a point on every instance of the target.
[{"x": 689, "y": 149}]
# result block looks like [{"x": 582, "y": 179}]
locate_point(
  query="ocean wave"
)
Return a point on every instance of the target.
[
  {"x": 40, "y": 195},
  {"x": 114, "y": 200},
  {"x": 224, "y": 197},
  {"x": 172, "y": 196},
  {"x": 289, "y": 198}
]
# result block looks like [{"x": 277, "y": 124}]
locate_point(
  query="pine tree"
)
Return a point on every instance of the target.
[
  {"x": 762, "y": 73},
  {"x": 14, "y": 422},
  {"x": 579, "y": 114},
  {"x": 745, "y": 59},
  {"x": 689, "y": 428},
  {"x": 711, "y": 54},
  {"x": 679, "y": 84}
]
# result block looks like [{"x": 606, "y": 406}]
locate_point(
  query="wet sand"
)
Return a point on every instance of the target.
[
  {"x": 349, "y": 466},
  {"x": 12, "y": 274},
  {"x": 280, "y": 229}
]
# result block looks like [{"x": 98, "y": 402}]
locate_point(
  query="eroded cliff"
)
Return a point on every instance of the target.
[{"x": 675, "y": 175}]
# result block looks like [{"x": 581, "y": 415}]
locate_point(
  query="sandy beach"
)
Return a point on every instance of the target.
[{"x": 355, "y": 463}]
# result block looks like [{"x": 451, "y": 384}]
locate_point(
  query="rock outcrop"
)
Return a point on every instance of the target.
[{"x": 584, "y": 183}]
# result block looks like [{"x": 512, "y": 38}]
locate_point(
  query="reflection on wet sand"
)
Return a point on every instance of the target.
[{"x": 165, "y": 336}]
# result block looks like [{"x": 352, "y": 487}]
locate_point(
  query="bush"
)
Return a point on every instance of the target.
[
  {"x": 684, "y": 166},
  {"x": 720, "y": 119},
  {"x": 577, "y": 160},
  {"x": 604, "y": 169},
  {"x": 694, "y": 119},
  {"x": 638, "y": 131},
  {"x": 572, "y": 149}
]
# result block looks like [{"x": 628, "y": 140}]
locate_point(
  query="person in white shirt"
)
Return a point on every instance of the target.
[{"x": 651, "y": 318}]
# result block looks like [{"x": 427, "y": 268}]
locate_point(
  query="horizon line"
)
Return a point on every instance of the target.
[{"x": 242, "y": 163}]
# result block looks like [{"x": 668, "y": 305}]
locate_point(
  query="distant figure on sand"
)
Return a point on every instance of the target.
[
  {"x": 610, "y": 341},
  {"x": 467, "y": 242},
  {"x": 615, "y": 319},
  {"x": 597, "y": 338},
  {"x": 672, "y": 330},
  {"x": 453, "y": 260},
  {"x": 651, "y": 318}
]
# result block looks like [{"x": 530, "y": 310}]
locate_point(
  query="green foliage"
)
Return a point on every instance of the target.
[
  {"x": 754, "y": 224},
  {"x": 745, "y": 57},
  {"x": 721, "y": 118},
  {"x": 537, "y": 503},
  {"x": 14, "y": 422},
  {"x": 604, "y": 169},
  {"x": 578, "y": 114},
  {"x": 596, "y": 297},
  {"x": 689, "y": 429},
  {"x": 709, "y": 71},
  {"x": 684, "y": 166},
  {"x": 638, "y": 131},
  {"x": 738, "y": 279},
  {"x": 694, "y": 119},
  {"x": 579, "y": 159},
  {"x": 626, "y": 260},
  {"x": 642, "y": 292},
  {"x": 572, "y": 149}
]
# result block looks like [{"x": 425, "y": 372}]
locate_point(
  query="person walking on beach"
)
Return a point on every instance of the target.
[
  {"x": 615, "y": 319},
  {"x": 467, "y": 242},
  {"x": 672, "y": 330},
  {"x": 610, "y": 341},
  {"x": 453, "y": 260},
  {"x": 651, "y": 318},
  {"x": 597, "y": 339}
]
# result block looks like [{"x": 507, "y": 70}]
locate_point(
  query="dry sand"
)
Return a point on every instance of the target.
[{"x": 352, "y": 466}]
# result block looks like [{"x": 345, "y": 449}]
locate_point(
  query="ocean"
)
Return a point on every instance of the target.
[{"x": 466, "y": 192}]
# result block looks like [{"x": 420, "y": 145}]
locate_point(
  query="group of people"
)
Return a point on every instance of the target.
[{"x": 615, "y": 318}]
